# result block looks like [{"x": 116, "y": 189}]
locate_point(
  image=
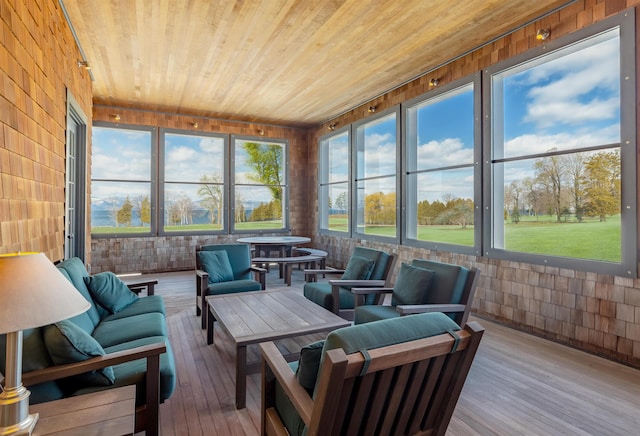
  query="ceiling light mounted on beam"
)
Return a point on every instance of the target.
[
  {"x": 372, "y": 109},
  {"x": 261, "y": 132},
  {"x": 434, "y": 82},
  {"x": 84, "y": 64},
  {"x": 116, "y": 117},
  {"x": 195, "y": 125},
  {"x": 543, "y": 34},
  {"x": 332, "y": 127}
]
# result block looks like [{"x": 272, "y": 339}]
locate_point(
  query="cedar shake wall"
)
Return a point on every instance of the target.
[
  {"x": 175, "y": 253},
  {"x": 38, "y": 62},
  {"x": 594, "y": 312}
]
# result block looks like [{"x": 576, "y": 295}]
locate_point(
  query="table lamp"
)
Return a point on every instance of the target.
[{"x": 33, "y": 293}]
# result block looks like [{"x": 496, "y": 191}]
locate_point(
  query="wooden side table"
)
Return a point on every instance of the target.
[{"x": 109, "y": 412}]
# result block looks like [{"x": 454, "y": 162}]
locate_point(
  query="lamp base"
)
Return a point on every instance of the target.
[{"x": 23, "y": 428}]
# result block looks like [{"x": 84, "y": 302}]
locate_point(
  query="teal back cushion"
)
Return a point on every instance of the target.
[
  {"x": 380, "y": 258},
  {"x": 110, "y": 292},
  {"x": 239, "y": 258},
  {"x": 67, "y": 343},
  {"x": 369, "y": 336},
  {"x": 448, "y": 281},
  {"x": 217, "y": 264},
  {"x": 76, "y": 272},
  {"x": 412, "y": 285}
]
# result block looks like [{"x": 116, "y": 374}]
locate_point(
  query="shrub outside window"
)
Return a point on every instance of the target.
[
  {"x": 562, "y": 171},
  {"x": 259, "y": 189},
  {"x": 334, "y": 183},
  {"x": 441, "y": 182},
  {"x": 122, "y": 199}
]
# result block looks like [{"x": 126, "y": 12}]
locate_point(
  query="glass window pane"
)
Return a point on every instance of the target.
[
  {"x": 338, "y": 207},
  {"x": 445, "y": 207},
  {"x": 376, "y": 147},
  {"x": 567, "y": 205},
  {"x": 259, "y": 163},
  {"x": 258, "y": 207},
  {"x": 120, "y": 207},
  {"x": 376, "y": 206},
  {"x": 193, "y": 207},
  {"x": 120, "y": 154},
  {"x": 191, "y": 158},
  {"x": 337, "y": 158}
]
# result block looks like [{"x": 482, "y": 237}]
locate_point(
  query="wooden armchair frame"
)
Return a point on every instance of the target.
[
  {"x": 408, "y": 388},
  {"x": 148, "y": 414},
  {"x": 460, "y": 311}
]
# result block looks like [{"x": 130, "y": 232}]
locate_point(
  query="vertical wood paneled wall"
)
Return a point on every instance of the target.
[
  {"x": 595, "y": 312},
  {"x": 175, "y": 253},
  {"x": 38, "y": 62}
]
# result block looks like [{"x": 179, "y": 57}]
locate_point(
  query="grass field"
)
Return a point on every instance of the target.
[
  {"x": 259, "y": 225},
  {"x": 590, "y": 239}
]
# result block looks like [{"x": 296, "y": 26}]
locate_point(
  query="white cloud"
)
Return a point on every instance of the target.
[{"x": 448, "y": 152}]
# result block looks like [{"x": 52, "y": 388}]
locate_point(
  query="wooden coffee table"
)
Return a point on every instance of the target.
[{"x": 253, "y": 317}]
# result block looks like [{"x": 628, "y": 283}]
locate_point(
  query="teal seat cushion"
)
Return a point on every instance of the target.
[
  {"x": 217, "y": 264},
  {"x": 82, "y": 320},
  {"x": 109, "y": 291},
  {"x": 358, "y": 268},
  {"x": 148, "y": 304},
  {"x": 320, "y": 293},
  {"x": 133, "y": 372},
  {"x": 374, "y": 312},
  {"x": 412, "y": 285},
  {"x": 448, "y": 281},
  {"x": 118, "y": 331},
  {"x": 68, "y": 343},
  {"x": 233, "y": 286},
  {"x": 239, "y": 258},
  {"x": 306, "y": 368}
]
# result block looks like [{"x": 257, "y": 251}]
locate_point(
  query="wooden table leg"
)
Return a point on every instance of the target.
[
  {"x": 241, "y": 376},
  {"x": 210, "y": 321}
]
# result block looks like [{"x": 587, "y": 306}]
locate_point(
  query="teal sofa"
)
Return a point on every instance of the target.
[{"x": 122, "y": 339}]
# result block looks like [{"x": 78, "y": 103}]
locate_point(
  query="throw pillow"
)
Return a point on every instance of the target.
[
  {"x": 68, "y": 343},
  {"x": 308, "y": 365},
  {"x": 217, "y": 264},
  {"x": 412, "y": 285},
  {"x": 109, "y": 291},
  {"x": 358, "y": 268}
]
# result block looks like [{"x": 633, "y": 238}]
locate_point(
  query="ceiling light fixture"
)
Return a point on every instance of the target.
[
  {"x": 434, "y": 82},
  {"x": 84, "y": 64},
  {"x": 261, "y": 132},
  {"x": 332, "y": 126},
  {"x": 116, "y": 117},
  {"x": 195, "y": 125},
  {"x": 372, "y": 109},
  {"x": 543, "y": 34}
]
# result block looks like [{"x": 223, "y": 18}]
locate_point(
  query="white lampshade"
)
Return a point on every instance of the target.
[{"x": 34, "y": 293}]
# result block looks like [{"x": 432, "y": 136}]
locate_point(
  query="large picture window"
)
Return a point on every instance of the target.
[
  {"x": 562, "y": 167},
  {"x": 193, "y": 188},
  {"x": 122, "y": 185},
  {"x": 442, "y": 184},
  {"x": 259, "y": 189},
  {"x": 334, "y": 183},
  {"x": 376, "y": 169}
]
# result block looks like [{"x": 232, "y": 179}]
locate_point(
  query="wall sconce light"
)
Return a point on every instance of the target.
[
  {"x": 434, "y": 82},
  {"x": 372, "y": 109},
  {"x": 261, "y": 132},
  {"x": 84, "y": 64},
  {"x": 542, "y": 34},
  {"x": 332, "y": 127},
  {"x": 195, "y": 125},
  {"x": 116, "y": 117}
]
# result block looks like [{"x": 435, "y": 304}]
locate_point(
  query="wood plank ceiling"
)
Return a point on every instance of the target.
[{"x": 289, "y": 62}]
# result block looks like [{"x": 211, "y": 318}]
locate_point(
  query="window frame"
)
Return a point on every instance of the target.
[
  {"x": 408, "y": 132},
  {"x": 232, "y": 184},
  {"x": 324, "y": 182},
  {"x": 153, "y": 174},
  {"x": 162, "y": 181},
  {"x": 628, "y": 265},
  {"x": 355, "y": 233}
]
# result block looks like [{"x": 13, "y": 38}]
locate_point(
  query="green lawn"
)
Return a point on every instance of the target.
[
  {"x": 258, "y": 225},
  {"x": 590, "y": 239}
]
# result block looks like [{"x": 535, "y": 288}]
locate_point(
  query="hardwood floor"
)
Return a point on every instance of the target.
[{"x": 519, "y": 384}]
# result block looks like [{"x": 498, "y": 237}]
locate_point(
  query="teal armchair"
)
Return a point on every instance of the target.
[
  {"x": 366, "y": 267},
  {"x": 225, "y": 269},
  {"x": 423, "y": 286}
]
